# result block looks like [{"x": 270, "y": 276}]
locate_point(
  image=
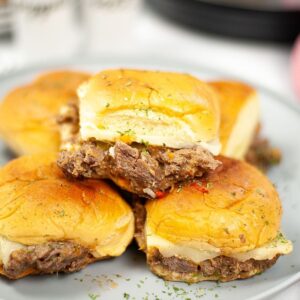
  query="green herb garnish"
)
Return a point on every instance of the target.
[
  {"x": 126, "y": 132},
  {"x": 126, "y": 296},
  {"x": 93, "y": 296}
]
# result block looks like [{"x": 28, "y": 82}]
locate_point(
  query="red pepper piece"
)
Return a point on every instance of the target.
[
  {"x": 160, "y": 194},
  {"x": 202, "y": 188}
]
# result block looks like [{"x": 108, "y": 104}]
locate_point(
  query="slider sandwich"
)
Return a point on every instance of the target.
[
  {"x": 224, "y": 226},
  {"x": 145, "y": 130},
  {"x": 49, "y": 224},
  {"x": 240, "y": 125},
  {"x": 240, "y": 114},
  {"x": 28, "y": 113}
]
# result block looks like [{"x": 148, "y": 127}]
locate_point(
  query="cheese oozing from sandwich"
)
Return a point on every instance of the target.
[{"x": 199, "y": 251}]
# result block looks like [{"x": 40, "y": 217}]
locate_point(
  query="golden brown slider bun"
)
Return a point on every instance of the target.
[
  {"x": 224, "y": 227},
  {"x": 157, "y": 108},
  {"x": 65, "y": 80},
  {"x": 49, "y": 224},
  {"x": 28, "y": 114},
  {"x": 239, "y": 116}
]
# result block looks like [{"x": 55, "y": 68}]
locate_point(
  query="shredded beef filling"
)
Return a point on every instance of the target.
[
  {"x": 262, "y": 155},
  {"x": 140, "y": 214},
  {"x": 146, "y": 170},
  {"x": 48, "y": 258},
  {"x": 221, "y": 268}
]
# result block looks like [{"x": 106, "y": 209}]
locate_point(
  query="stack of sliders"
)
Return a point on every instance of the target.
[{"x": 158, "y": 136}]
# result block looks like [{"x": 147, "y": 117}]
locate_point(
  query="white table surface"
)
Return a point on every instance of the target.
[{"x": 266, "y": 64}]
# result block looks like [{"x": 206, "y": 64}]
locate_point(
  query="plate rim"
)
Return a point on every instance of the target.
[{"x": 164, "y": 62}]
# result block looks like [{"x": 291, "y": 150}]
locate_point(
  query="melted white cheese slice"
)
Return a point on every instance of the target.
[
  {"x": 6, "y": 248},
  {"x": 198, "y": 252}
]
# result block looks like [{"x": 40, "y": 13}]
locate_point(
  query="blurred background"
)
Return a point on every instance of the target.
[{"x": 252, "y": 39}]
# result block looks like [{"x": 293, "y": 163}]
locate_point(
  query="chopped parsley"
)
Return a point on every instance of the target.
[
  {"x": 209, "y": 185},
  {"x": 226, "y": 230},
  {"x": 144, "y": 151},
  {"x": 126, "y": 132},
  {"x": 60, "y": 213},
  {"x": 145, "y": 143},
  {"x": 93, "y": 296},
  {"x": 146, "y": 110},
  {"x": 260, "y": 192},
  {"x": 179, "y": 189}
]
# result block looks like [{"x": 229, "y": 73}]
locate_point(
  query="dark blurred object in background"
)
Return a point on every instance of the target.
[
  {"x": 267, "y": 20},
  {"x": 5, "y": 19}
]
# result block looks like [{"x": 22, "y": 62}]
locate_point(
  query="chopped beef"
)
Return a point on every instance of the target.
[
  {"x": 221, "y": 268},
  {"x": 262, "y": 155},
  {"x": 146, "y": 170},
  {"x": 48, "y": 258},
  {"x": 140, "y": 219}
]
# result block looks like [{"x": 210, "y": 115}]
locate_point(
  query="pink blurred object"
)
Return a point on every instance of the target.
[
  {"x": 291, "y": 3},
  {"x": 296, "y": 67}
]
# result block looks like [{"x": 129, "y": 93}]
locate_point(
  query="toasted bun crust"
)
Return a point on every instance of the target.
[
  {"x": 65, "y": 80},
  {"x": 239, "y": 116},
  {"x": 39, "y": 205},
  {"x": 160, "y": 108},
  {"x": 28, "y": 114},
  {"x": 239, "y": 211}
]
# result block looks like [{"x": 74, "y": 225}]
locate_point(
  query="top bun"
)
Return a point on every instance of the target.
[
  {"x": 157, "y": 108},
  {"x": 65, "y": 80},
  {"x": 232, "y": 210},
  {"x": 239, "y": 117},
  {"x": 39, "y": 205},
  {"x": 28, "y": 114}
]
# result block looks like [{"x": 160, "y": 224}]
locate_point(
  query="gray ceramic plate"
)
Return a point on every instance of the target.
[{"x": 127, "y": 277}]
